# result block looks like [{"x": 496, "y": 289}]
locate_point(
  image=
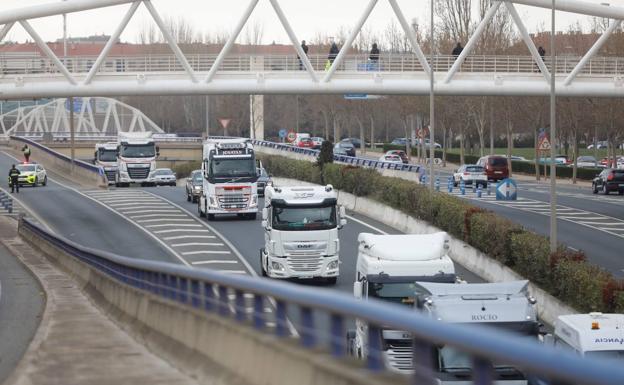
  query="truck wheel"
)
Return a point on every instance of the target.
[
  {"x": 252, "y": 216},
  {"x": 351, "y": 342},
  {"x": 211, "y": 217},
  {"x": 262, "y": 269},
  {"x": 331, "y": 280},
  {"x": 199, "y": 210}
]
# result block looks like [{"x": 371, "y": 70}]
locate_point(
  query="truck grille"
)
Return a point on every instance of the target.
[
  {"x": 304, "y": 265},
  {"x": 110, "y": 175},
  {"x": 138, "y": 173},
  {"x": 229, "y": 201},
  {"x": 399, "y": 354}
]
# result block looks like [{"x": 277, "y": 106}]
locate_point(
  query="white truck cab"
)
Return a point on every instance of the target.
[
  {"x": 388, "y": 269},
  {"x": 595, "y": 335},
  {"x": 503, "y": 306},
  {"x": 230, "y": 179},
  {"x": 106, "y": 157},
  {"x": 136, "y": 160},
  {"x": 301, "y": 233}
]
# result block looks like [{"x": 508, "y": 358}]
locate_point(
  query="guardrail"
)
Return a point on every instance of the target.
[
  {"x": 209, "y": 291},
  {"x": 6, "y": 201},
  {"x": 352, "y": 160},
  {"x": 77, "y": 162},
  {"x": 389, "y": 62}
]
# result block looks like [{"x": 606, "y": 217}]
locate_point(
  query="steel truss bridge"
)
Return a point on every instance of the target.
[{"x": 187, "y": 74}]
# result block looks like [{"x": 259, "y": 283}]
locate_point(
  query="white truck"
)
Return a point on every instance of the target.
[
  {"x": 595, "y": 335},
  {"x": 301, "y": 233},
  {"x": 230, "y": 183},
  {"x": 387, "y": 269},
  {"x": 106, "y": 157},
  {"x": 500, "y": 306},
  {"x": 136, "y": 161}
]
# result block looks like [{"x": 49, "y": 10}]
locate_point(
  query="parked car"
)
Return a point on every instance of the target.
[
  {"x": 194, "y": 186},
  {"x": 391, "y": 159},
  {"x": 436, "y": 144},
  {"x": 609, "y": 180},
  {"x": 165, "y": 177},
  {"x": 495, "y": 167},
  {"x": 470, "y": 173},
  {"x": 560, "y": 160},
  {"x": 401, "y": 155},
  {"x": 348, "y": 147},
  {"x": 519, "y": 158},
  {"x": 587, "y": 161},
  {"x": 317, "y": 142},
  {"x": 305, "y": 143},
  {"x": 264, "y": 179},
  {"x": 400, "y": 141},
  {"x": 599, "y": 145},
  {"x": 338, "y": 150},
  {"x": 357, "y": 143}
]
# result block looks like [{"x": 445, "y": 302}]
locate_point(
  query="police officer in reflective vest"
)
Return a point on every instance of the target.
[{"x": 13, "y": 179}]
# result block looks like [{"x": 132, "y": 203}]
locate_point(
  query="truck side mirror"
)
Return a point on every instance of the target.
[
  {"x": 265, "y": 224},
  {"x": 343, "y": 222},
  {"x": 357, "y": 289},
  {"x": 549, "y": 340},
  {"x": 265, "y": 214},
  {"x": 157, "y": 150},
  {"x": 343, "y": 212}
]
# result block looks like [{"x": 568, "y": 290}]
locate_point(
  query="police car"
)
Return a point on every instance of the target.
[{"x": 31, "y": 174}]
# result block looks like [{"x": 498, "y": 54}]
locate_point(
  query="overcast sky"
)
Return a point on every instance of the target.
[{"x": 308, "y": 18}]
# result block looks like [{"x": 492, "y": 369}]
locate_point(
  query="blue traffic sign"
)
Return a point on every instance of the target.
[
  {"x": 283, "y": 132},
  {"x": 507, "y": 190}
]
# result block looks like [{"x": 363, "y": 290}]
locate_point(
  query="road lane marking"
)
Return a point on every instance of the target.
[
  {"x": 159, "y": 216},
  {"x": 196, "y": 244},
  {"x": 205, "y": 252},
  {"x": 165, "y": 220},
  {"x": 146, "y": 211},
  {"x": 189, "y": 236},
  {"x": 181, "y": 230},
  {"x": 172, "y": 224},
  {"x": 233, "y": 271},
  {"x": 214, "y": 262}
]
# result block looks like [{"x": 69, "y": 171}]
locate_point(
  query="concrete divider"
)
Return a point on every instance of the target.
[
  {"x": 202, "y": 343},
  {"x": 78, "y": 171},
  {"x": 549, "y": 308}
]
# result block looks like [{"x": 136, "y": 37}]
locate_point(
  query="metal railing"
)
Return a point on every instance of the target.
[
  {"x": 80, "y": 163},
  {"x": 352, "y": 160},
  {"x": 6, "y": 201},
  {"x": 225, "y": 294},
  {"x": 36, "y": 64}
]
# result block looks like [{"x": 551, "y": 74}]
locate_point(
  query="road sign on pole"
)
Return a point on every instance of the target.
[
  {"x": 544, "y": 144},
  {"x": 292, "y": 135},
  {"x": 507, "y": 190},
  {"x": 282, "y": 133}
]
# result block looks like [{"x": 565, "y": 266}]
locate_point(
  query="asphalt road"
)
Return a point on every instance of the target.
[{"x": 21, "y": 306}]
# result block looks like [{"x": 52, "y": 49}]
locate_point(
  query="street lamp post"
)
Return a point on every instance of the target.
[
  {"x": 553, "y": 132},
  {"x": 431, "y": 108}
]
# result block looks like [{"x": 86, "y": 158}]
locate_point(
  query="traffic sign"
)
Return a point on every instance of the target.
[
  {"x": 292, "y": 135},
  {"x": 544, "y": 144},
  {"x": 282, "y": 133},
  {"x": 507, "y": 190}
]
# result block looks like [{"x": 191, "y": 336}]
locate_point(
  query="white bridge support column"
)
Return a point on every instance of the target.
[{"x": 256, "y": 116}]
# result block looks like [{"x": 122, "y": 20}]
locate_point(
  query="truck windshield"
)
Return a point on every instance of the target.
[
  {"x": 228, "y": 168},
  {"x": 607, "y": 354},
  {"x": 452, "y": 360},
  {"x": 138, "y": 150},
  {"x": 304, "y": 218},
  {"x": 397, "y": 292},
  {"x": 107, "y": 155}
]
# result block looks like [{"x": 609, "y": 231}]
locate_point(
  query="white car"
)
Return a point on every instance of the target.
[
  {"x": 164, "y": 176},
  {"x": 587, "y": 161},
  {"x": 470, "y": 174},
  {"x": 32, "y": 174},
  {"x": 391, "y": 159},
  {"x": 317, "y": 142}
]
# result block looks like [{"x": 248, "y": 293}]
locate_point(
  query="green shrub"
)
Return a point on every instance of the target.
[
  {"x": 184, "y": 170},
  {"x": 619, "y": 302},
  {"x": 530, "y": 256},
  {"x": 493, "y": 235},
  {"x": 579, "y": 284}
]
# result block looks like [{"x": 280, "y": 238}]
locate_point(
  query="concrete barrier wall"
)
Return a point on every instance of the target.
[
  {"x": 411, "y": 176},
  {"x": 203, "y": 344},
  {"x": 84, "y": 174},
  {"x": 549, "y": 308}
]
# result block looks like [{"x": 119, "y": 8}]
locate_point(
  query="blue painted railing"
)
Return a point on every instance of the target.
[
  {"x": 353, "y": 160},
  {"x": 208, "y": 290}
]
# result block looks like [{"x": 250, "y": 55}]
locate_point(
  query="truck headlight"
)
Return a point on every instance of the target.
[
  {"x": 254, "y": 201},
  {"x": 213, "y": 202},
  {"x": 333, "y": 265},
  {"x": 197, "y": 188},
  {"x": 277, "y": 266}
]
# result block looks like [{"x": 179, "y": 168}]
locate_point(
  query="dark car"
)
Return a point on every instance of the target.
[
  {"x": 263, "y": 180},
  {"x": 194, "y": 186},
  {"x": 495, "y": 167},
  {"x": 608, "y": 180},
  {"x": 357, "y": 143},
  {"x": 347, "y": 147}
]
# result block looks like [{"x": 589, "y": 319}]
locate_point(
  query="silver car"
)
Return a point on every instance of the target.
[{"x": 165, "y": 177}]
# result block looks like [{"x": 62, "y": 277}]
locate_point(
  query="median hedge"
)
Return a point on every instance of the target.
[
  {"x": 516, "y": 166},
  {"x": 565, "y": 274}
]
